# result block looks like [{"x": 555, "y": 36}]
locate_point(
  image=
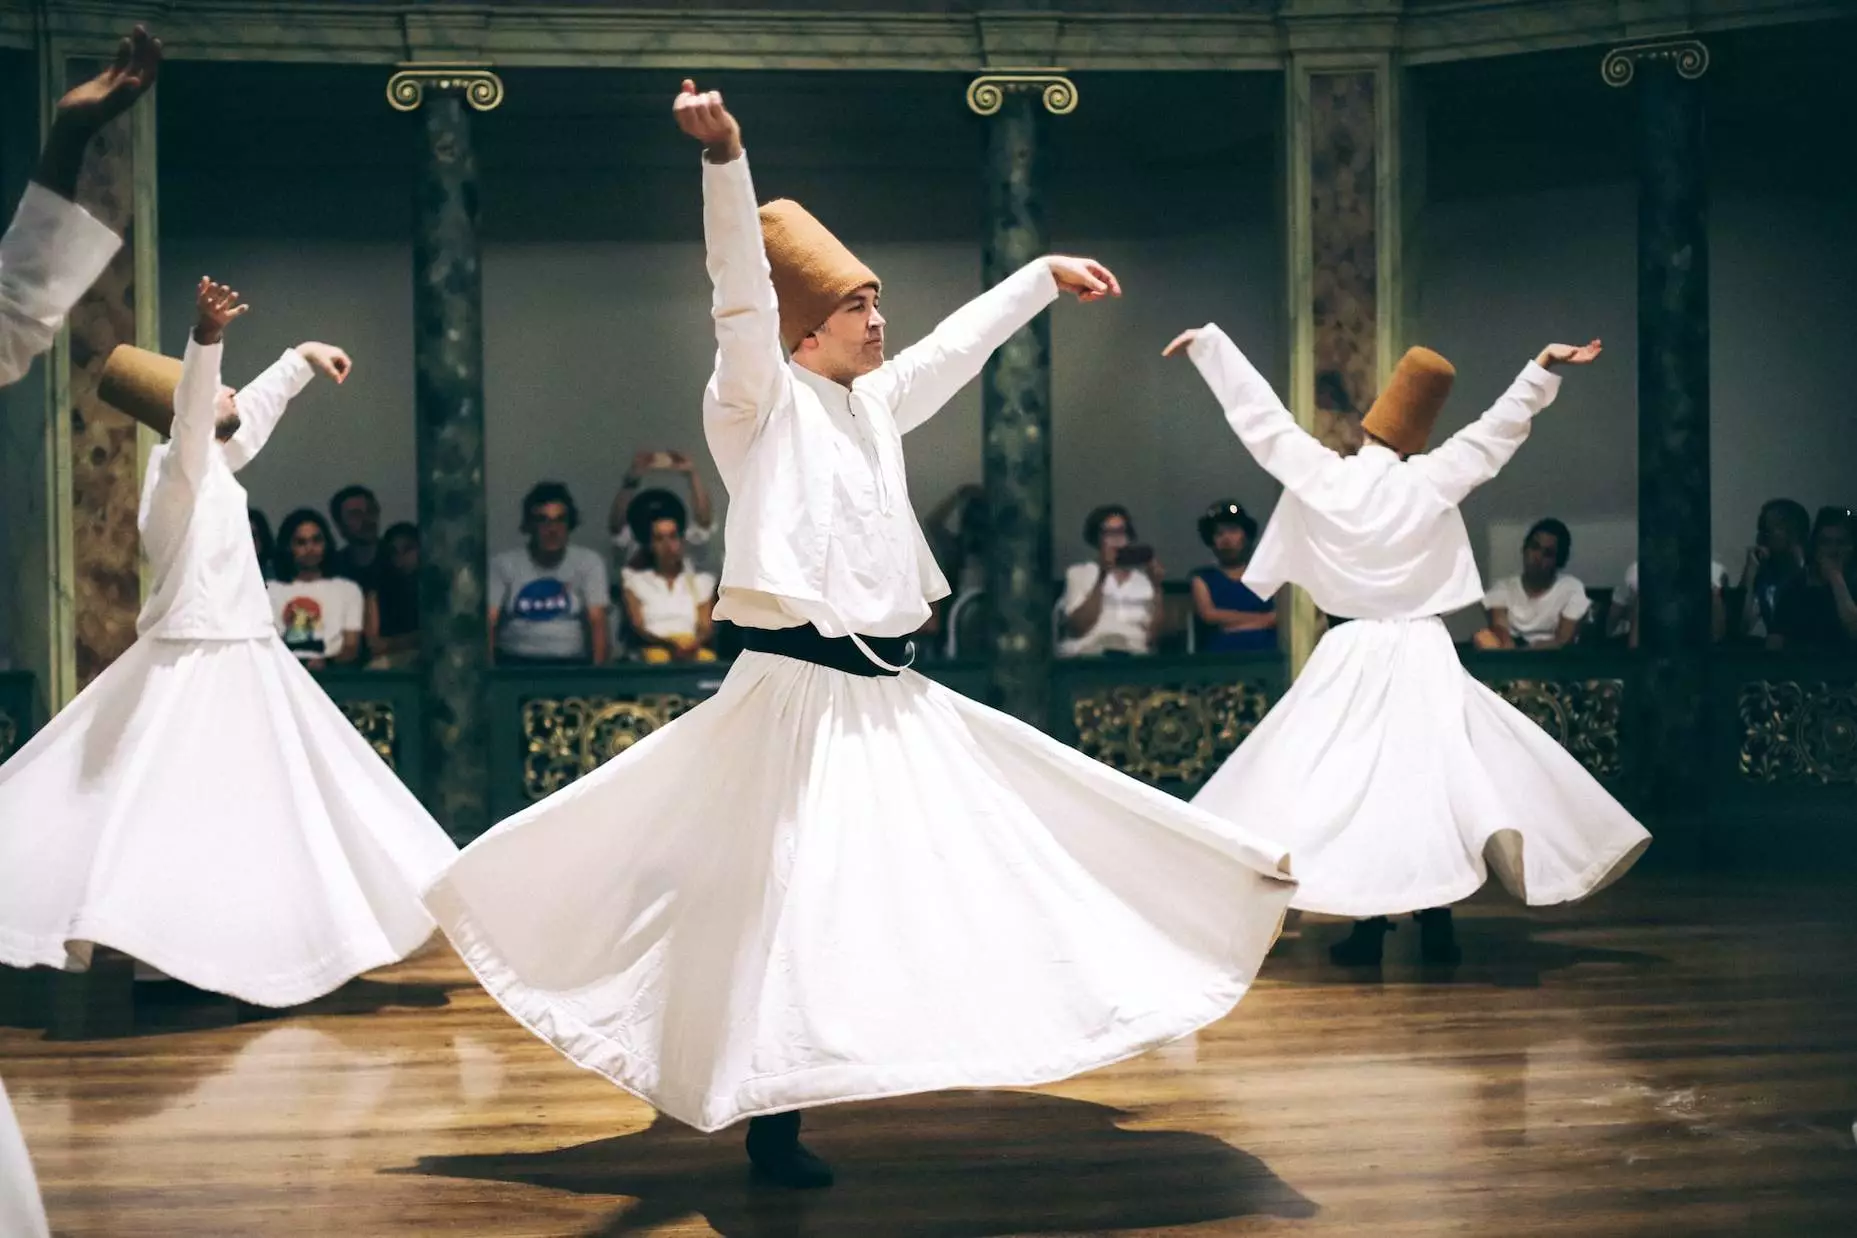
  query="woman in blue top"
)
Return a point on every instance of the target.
[{"x": 1230, "y": 618}]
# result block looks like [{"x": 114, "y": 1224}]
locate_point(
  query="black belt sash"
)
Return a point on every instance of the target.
[{"x": 839, "y": 653}]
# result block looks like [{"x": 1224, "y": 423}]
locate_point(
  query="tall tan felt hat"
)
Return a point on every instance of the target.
[
  {"x": 813, "y": 271},
  {"x": 141, "y": 383},
  {"x": 1408, "y": 407}
]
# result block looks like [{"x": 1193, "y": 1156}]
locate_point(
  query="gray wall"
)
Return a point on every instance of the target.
[
  {"x": 1529, "y": 233},
  {"x": 597, "y": 337},
  {"x": 598, "y": 342}
]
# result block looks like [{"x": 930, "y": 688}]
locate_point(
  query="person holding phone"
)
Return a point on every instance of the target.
[
  {"x": 1112, "y": 603},
  {"x": 631, "y": 554}
]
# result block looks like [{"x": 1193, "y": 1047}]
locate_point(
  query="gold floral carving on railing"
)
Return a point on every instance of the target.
[
  {"x": 1168, "y": 733},
  {"x": 568, "y": 738},
  {"x": 1799, "y": 732},
  {"x": 377, "y": 724},
  {"x": 1582, "y": 715}
]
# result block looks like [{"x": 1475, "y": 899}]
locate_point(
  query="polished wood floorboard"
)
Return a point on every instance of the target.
[{"x": 1675, "y": 1058}]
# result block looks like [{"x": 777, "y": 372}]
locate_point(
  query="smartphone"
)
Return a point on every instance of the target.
[
  {"x": 663, "y": 460},
  {"x": 1134, "y": 556}
]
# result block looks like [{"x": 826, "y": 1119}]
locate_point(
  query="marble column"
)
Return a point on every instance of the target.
[
  {"x": 1673, "y": 422},
  {"x": 103, "y": 570},
  {"x": 1016, "y": 400},
  {"x": 1344, "y": 211},
  {"x": 449, "y": 395}
]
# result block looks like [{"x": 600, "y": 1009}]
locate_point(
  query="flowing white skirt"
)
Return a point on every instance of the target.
[
  {"x": 819, "y": 887},
  {"x": 22, "y": 1215},
  {"x": 205, "y": 807},
  {"x": 1394, "y": 777}
]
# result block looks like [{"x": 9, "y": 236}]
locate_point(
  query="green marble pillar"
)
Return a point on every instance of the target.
[
  {"x": 1016, "y": 416},
  {"x": 449, "y": 370},
  {"x": 1673, "y": 423}
]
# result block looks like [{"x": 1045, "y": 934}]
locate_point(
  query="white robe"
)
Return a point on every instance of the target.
[
  {"x": 820, "y": 887},
  {"x": 203, "y": 805},
  {"x": 52, "y": 252},
  {"x": 1391, "y": 773}
]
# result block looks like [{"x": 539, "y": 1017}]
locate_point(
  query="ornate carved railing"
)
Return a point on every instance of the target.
[
  {"x": 1168, "y": 720},
  {"x": 1781, "y": 766}
]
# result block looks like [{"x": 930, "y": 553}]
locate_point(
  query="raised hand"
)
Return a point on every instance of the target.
[
  {"x": 1569, "y": 354},
  {"x": 703, "y": 117},
  {"x": 326, "y": 359},
  {"x": 1087, "y": 278},
  {"x": 95, "y": 103},
  {"x": 217, "y": 306},
  {"x": 1181, "y": 341}
]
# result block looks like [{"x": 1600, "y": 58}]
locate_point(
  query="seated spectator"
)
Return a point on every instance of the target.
[
  {"x": 1816, "y": 611},
  {"x": 393, "y": 602},
  {"x": 1112, "y": 603},
  {"x": 1622, "y": 619},
  {"x": 1543, "y": 607},
  {"x": 356, "y": 513},
  {"x": 1231, "y": 618},
  {"x": 957, "y": 532},
  {"x": 666, "y": 603},
  {"x": 700, "y": 530},
  {"x": 1774, "y": 561},
  {"x": 956, "y": 529},
  {"x": 548, "y": 599},
  {"x": 318, "y": 615},
  {"x": 262, "y": 542}
]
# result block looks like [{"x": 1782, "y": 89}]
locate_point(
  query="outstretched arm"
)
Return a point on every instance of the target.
[
  {"x": 751, "y": 365},
  {"x": 54, "y": 249},
  {"x": 927, "y": 374},
  {"x": 52, "y": 252},
  {"x": 1282, "y": 448},
  {"x": 196, "y": 398},
  {"x": 1476, "y": 453},
  {"x": 262, "y": 402}
]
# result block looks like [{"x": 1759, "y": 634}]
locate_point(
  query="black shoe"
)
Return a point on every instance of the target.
[
  {"x": 778, "y": 1156},
  {"x": 1437, "y": 937},
  {"x": 1364, "y": 945}
]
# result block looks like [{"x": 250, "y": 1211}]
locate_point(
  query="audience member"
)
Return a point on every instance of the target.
[
  {"x": 1542, "y": 608},
  {"x": 957, "y": 532},
  {"x": 1815, "y": 610},
  {"x": 1774, "y": 561},
  {"x": 548, "y": 599},
  {"x": 1112, "y": 603},
  {"x": 667, "y": 603},
  {"x": 1230, "y": 618},
  {"x": 393, "y": 600},
  {"x": 319, "y": 616},
  {"x": 356, "y": 513},
  {"x": 262, "y": 542},
  {"x": 700, "y": 527}
]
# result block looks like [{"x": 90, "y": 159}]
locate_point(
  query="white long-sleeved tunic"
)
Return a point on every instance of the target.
[
  {"x": 820, "y": 529},
  {"x": 1370, "y": 536},
  {"x": 51, "y": 253},
  {"x": 195, "y": 529}
]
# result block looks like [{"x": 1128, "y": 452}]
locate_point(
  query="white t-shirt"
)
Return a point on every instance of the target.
[
  {"x": 313, "y": 615},
  {"x": 669, "y": 606},
  {"x": 1534, "y": 619},
  {"x": 1128, "y": 609}
]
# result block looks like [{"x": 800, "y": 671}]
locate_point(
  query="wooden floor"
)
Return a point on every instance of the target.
[{"x": 1677, "y": 1058}]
